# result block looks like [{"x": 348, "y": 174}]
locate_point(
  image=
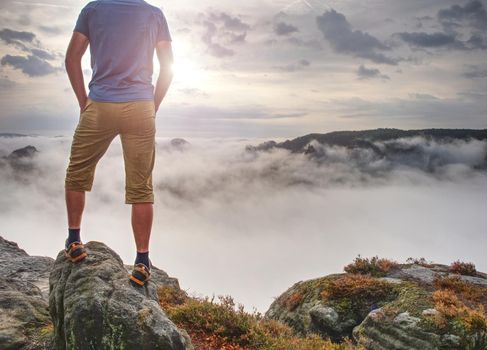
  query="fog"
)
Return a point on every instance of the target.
[{"x": 250, "y": 224}]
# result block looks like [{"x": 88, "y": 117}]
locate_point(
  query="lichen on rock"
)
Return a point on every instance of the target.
[
  {"x": 94, "y": 306},
  {"x": 405, "y": 306}
]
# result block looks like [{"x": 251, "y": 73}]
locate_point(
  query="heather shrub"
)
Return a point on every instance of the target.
[
  {"x": 463, "y": 268},
  {"x": 224, "y": 325},
  {"x": 292, "y": 300},
  {"x": 374, "y": 266},
  {"x": 357, "y": 295}
]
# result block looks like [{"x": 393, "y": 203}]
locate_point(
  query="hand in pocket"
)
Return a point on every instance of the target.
[{"x": 81, "y": 110}]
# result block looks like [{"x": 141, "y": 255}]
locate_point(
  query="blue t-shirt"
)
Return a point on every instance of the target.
[{"x": 123, "y": 35}]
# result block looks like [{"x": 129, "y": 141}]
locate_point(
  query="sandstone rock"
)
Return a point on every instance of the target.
[
  {"x": 94, "y": 306},
  {"x": 401, "y": 312},
  {"x": 24, "y": 317},
  {"x": 379, "y": 332},
  {"x": 416, "y": 272},
  {"x": 325, "y": 320},
  {"x": 429, "y": 312}
]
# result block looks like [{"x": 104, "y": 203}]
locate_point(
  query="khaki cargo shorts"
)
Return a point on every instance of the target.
[{"x": 99, "y": 124}]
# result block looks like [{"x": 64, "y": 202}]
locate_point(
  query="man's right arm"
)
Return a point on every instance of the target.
[
  {"x": 165, "y": 57},
  {"x": 76, "y": 49}
]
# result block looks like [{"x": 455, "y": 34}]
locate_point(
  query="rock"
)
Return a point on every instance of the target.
[
  {"x": 25, "y": 152},
  {"x": 24, "y": 312},
  {"x": 416, "y": 272},
  {"x": 158, "y": 277},
  {"x": 404, "y": 319},
  {"x": 377, "y": 331},
  {"x": 21, "y": 159},
  {"x": 394, "y": 311},
  {"x": 34, "y": 270},
  {"x": 94, "y": 306},
  {"x": 179, "y": 143},
  {"x": 325, "y": 320},
  {"x": 481, "y": 281},
  {"x": 429, "y": 312}
]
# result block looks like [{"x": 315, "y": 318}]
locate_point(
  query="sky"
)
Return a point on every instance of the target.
[{"x": 269, "y": 68}]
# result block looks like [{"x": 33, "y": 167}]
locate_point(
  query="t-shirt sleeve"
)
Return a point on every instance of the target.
[
  {"x": 162, "y": 28},
  {"x": 82, "y": 23}
]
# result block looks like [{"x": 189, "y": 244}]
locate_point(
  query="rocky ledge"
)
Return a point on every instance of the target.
[
  {"x": 381, "y": 304},
  {"x": 54, "y": 304}
]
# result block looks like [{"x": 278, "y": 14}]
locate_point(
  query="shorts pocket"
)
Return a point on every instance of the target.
[{"x": 89, "y": 101}]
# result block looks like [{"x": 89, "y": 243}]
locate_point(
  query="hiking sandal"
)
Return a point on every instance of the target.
[
  {"x": 75, "y": 252},
  {"x": 140, "y": 274}
]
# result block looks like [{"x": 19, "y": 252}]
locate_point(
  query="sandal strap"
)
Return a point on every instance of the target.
[
  {"x": 74, "y": 246},
  {"x": 142, "y": 268}
]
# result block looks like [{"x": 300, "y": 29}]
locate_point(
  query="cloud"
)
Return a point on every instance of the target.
[
  {"x": 458, "y": 22},
  {"x": 194, "y": 92},
  {"x": 51, "y": 29},
  {"x": 475, "y": 72},
  {"x": 31, "y": 65},
  {"x": 238, "y": 112},
  {"x": 438, "y": 39},
  {"x": 36, "y": 63},
  {"x": 229, "y": 22},
  {"x": 425, "y": 109},
  {"x": 472, "y": 14},
  {"x": 222, "y": 31},
  {"x": 299, "y": 65},
  {"x": 42, "y": 54},
  {"x": 12, "y": 36},
  {"x": 477, "y": 41},
  {"x": 307, "y": 43},
  {"x": 443, "y": 40},
  {"x": 369, "y": 73},
  {"x": 283, "y": 28},
  {"x": 6, "y": 83},
  {"x": 338, "y": 32},
  {"x": 217, "y": 202}
]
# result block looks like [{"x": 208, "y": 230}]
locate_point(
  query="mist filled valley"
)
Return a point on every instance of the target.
[{"x": 249, "y": 217}]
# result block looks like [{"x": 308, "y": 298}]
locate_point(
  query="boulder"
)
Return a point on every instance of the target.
[
  {"x": 326, "y": 321},
  {"x": 24, "y": 312},
  {"x": 402, "y": 332},
  {"x": 396, "y": 310},
  {"x": 93, "y": 305}
]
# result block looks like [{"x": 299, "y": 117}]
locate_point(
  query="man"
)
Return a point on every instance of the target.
[{"x": 123, "y": 35}]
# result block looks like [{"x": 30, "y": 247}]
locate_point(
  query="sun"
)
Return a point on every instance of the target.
[{"x": 186, "y": 72}]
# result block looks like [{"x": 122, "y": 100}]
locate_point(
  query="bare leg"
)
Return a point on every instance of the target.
[
  {"x": 142, "y": 214},
  {"x": 75, "y": 204}
]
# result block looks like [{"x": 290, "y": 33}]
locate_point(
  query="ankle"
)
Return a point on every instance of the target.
[
  {"x": 73, "y": 236},
  {"x": 143, "y": 257}
]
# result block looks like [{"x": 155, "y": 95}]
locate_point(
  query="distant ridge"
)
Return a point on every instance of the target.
[
  {"x": 8, "y": 134},
  {"x": 366, "y": 137}
]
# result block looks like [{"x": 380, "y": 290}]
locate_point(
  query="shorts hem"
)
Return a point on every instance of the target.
[
  {"x": 137, "y": 201},
  {"x": 71, "y": 187}
]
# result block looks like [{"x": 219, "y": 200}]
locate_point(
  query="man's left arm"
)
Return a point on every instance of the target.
[{"x": 76, "y": 49}]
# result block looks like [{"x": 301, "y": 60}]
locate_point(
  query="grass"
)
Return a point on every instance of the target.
[{"x": 223, "y": 324}]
